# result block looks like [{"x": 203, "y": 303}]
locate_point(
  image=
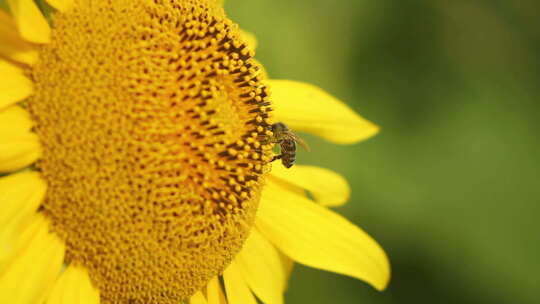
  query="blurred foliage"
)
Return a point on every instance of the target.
[{"x": 450, "y": 185}]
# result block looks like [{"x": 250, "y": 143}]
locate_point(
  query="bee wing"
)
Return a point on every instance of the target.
[{"x": 299, "y": 140}]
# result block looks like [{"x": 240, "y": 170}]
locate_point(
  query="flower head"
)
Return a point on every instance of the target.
[{"x": 139, "y": 130}]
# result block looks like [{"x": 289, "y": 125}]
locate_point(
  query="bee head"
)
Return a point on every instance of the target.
[{"x": 279, "y": 128}]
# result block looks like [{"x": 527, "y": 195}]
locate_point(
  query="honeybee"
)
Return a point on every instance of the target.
[{"x": 287, "y": 140}]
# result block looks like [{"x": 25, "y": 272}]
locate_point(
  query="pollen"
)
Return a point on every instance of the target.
[{"x": 152, "y": 117}]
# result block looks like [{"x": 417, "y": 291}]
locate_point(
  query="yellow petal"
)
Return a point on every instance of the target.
[
  {"x": 250, "y": 39},
  {"x": 30, "y": 274},
  {"x": 15, "y": 122},
  {"x": 327, "y": 187},
  {"x": 198, "y": 298},
  {"x": 73, "y": 287},
  {"x": 305, "y": 107},
  {"x": 214, "y": 292},
  {"x": 61, "y": 5},
  {"x": 235, "y": 286},
  {"x": 18, "y": 154},
  {"x": 14, "y": 86},
  {"x": 11, "y": 43},
  {"x": 287, "y": 264},
  {"x": 13, "y": 245},
  {"x": 19, "y": 147},
  {"x": 315, "y": 236},
  {"x": 262, "y": 268},
  {"x": 20, "y": 196},
  {"x": 30, "y": 21}
]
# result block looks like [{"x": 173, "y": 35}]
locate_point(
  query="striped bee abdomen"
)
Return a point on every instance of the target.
[{"x": 288, "y": 152}]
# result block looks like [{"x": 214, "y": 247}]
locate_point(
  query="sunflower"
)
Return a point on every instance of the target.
[{"x": 136, "y": 167}]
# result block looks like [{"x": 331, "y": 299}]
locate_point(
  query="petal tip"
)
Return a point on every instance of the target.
[
  {"x": 371, "y": 131},
  {"x": 381, "y": 283},
  {"x": 365, "y": 130}
]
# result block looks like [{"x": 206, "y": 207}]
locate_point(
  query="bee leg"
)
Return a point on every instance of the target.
[{"x": 276, "y": 157}]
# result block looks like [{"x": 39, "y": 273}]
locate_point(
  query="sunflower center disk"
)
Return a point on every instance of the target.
[{"x": 151, "y": 116}]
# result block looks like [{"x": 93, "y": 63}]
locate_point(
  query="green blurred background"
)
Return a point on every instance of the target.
[{"x": 450, "y": 186}]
